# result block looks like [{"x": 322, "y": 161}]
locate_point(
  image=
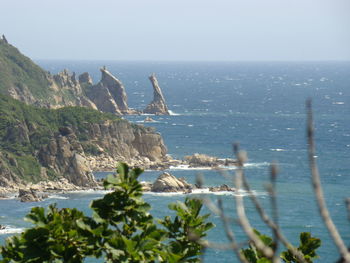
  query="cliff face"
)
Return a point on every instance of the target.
[
  {"x": 41, "y": 144},
  {"x": 109, "y": 94},
  {"x": 158, "y": 105}
]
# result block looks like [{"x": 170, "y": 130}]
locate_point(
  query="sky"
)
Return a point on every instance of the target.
[{"x": 179, "y": 30}]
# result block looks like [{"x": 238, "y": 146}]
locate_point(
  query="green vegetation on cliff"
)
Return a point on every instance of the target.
[
  {"x": 24, "y": 129},
  {"x": 17, "y": 70}
]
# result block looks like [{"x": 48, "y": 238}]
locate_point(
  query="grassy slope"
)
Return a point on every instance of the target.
[{"x": 18, "y": 70}]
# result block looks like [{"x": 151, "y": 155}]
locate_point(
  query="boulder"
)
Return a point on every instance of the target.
[
  {"x": 158, "y": 105},
  {"x": 28, "y": 195},
  {"x": 167, "y": 182}
]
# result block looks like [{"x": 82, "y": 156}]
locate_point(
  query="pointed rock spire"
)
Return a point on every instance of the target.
[
  {"x": 4, "y": 38},
  {"x": 116, "y": 88},
  {"x": 158, "y": 105}
]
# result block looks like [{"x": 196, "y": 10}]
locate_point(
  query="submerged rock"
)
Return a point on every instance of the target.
[
  {"x": 149, "y": 119},
  {"x": 158, "y": 105}
]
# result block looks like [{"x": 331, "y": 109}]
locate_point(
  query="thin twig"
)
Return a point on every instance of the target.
[
  {"x": 273, "y": 197},
  {"x": 316, "y": 182},
  {"x": 229, "y": 234},
  {"x": 271, "y": 224},
  {"x": 243, "y": 220}
]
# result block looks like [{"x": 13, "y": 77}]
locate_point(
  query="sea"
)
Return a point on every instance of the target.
[{"x": 261, "y": 106}]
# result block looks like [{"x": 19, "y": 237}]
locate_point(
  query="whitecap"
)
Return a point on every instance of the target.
[
  {"x": 173, "y": 113},
  {"x": 58, "y": 197},
  {"x": 339, "y": 103},
  {"x": 207, "y": 191},
  {"x": 190, "y": 125},
  {"x": 278, "y": 150},
  {"x": 11, "y": 230}
]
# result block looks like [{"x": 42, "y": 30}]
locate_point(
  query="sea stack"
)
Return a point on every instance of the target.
[
  {"x": 116, "y": 89},
  {"x": 157, "y": 106}
]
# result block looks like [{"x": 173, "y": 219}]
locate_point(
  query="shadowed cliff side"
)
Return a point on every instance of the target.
[{"x": 158, "y": 105}]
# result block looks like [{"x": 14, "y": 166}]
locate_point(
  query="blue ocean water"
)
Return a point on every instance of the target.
[{"x": 261, "y": 106}]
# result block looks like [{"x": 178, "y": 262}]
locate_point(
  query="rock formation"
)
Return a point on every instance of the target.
[
  {"x": 29, "y": 196},
  {"x": 85, "y": 79},
  {"x": 203, "y": 160},
  {"x": 167, "y": 182},
  {"x": 46, "y": 148},
  {"x": 158, "y": 105},
  {"x": 109, "y": 94},
  {"x": 4, "y": 38},
  {"x": 222, "y": 188}
]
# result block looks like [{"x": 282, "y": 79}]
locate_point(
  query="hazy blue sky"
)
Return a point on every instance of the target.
[{"x": 179, "y": 29}]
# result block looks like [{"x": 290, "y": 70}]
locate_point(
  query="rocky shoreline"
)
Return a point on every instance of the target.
[
  {"x": 165, "y": 183},
  {"x": 107, "y": 163}
]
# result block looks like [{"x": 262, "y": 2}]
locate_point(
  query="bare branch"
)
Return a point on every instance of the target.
[
  {"x": 272, "y": 190},
  {"x": 230, "y": 234},
  {"x": 316, "y": 182},
  {"x": 243, "y": 220}
]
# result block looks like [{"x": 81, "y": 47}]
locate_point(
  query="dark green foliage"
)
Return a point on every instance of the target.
[
  {"x": 307, "y": 247},
  {"x": 186, "y": 227},
  {"x": 120, "y": 229},
  {"x": 254, "y": 255}
]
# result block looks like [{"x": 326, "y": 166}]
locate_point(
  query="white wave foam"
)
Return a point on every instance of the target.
[
  {"x": 339, "y": 103},
  {"x": 148, "y": 121},
  {"x": 173, "y": 113},
  {"x": 11, "y": 230},
  {"x": 278, "y": 150},
  {"x": 257, "y": 165},
  {"x": 187, "y": 167},
  {"x": 58, "y": 197},
  {"x": 206, "y": 191}
]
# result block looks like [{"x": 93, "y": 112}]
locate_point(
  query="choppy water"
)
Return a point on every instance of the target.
[{"x": 260, "y": 105}]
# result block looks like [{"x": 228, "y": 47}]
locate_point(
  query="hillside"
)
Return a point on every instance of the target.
[{"x": 46, "y": 144}]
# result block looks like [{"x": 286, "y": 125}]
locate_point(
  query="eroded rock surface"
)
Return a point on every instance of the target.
[
  {"x": 167, "y": 182},
  {"x": 158, "y": 105},
  {"x": 29, "y": 195}
]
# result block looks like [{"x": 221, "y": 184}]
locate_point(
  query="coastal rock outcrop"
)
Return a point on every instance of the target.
[
  {"x": 158, "y": 105},
  {"x": 109, "y": 94},
  {"x": 29, "y": 195},
  {"x": 203, "y": 160},
  {"x": 167, "y": 182},
  {"x": 222, "y": 188},
  {"x": 46, "y": 145}
]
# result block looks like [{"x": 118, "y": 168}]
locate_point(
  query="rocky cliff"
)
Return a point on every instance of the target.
[
  {"x": 158, "y": 105},
  {"x": 23, "y": 80},
  {"x": 42, "y": 144},
  {"x": 109, "y": 94}
]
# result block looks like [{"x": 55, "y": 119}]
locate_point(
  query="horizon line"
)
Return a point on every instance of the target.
[{"x": 196, "y": 61}]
